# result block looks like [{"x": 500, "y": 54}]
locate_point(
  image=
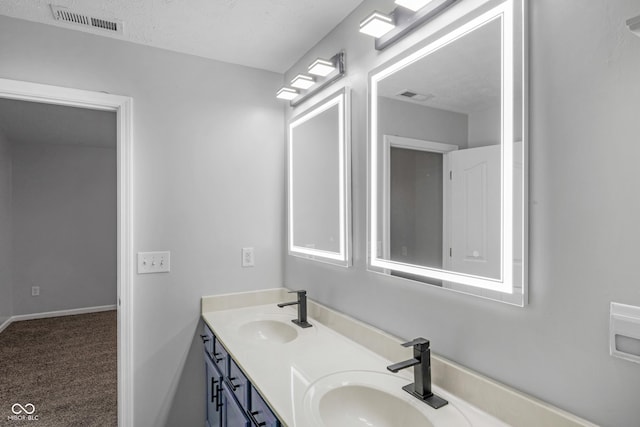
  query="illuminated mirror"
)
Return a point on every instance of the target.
[
  {"x": 447, "y": 157},
  {"x": 319, "y": 182}
]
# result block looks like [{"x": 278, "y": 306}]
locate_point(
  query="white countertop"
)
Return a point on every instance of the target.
[{"x": 283, "y": 372}]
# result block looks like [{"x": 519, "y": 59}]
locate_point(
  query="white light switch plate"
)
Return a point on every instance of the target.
[{"x": 154, "y": 262}]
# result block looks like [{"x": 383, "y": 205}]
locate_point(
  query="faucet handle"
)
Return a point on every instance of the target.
[
  {"x": 300, "y": 292},
  {"x": 420, "y": 344}
]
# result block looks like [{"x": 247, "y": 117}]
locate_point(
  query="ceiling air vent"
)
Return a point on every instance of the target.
[
  {"x": 413, "y": 96},
  {"x": 64, "y": 14}
]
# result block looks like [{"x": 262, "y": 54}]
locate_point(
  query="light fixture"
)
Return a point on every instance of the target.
[
  {"x": 414, "y": 5},
  {"x": 321, "y": 67},
  {"x": 327, "y": 70},
  {"x": 302, "y": 81},
  {"x": 388, "y": 29},
  {"x": 287, "y": 93},
  {"x": 377, "y": 24}
]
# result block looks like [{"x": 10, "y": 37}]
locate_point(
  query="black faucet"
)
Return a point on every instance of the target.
[
  {"x": 421, "y": 362},
  {"x": 302, "y": 308}
]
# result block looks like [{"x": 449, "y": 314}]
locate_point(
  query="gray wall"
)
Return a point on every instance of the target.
[
  {"x": 64, "y": 226},
  {"x": 416, "y": 121},
  {"x": 583, "y": 209},
  {"x": 6, "y": 303},
  {"x": 208, "y": 174},
  {"x": 484, "y": 127}
]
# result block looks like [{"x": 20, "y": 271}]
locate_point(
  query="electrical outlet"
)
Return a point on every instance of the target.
[
  {"x": 154, "y": 262},
  {"x": 35, "y": 291},
  {"x": 248, "y": 258}
]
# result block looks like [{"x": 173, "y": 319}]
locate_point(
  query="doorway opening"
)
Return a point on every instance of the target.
[{"x": 122, "y": 107}]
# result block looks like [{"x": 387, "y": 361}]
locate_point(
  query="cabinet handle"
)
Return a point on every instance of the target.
[
  {"x": 214, "y": 389},
  {"x": 253, "y": 418},
  {"x": 217, "y": 359},
  {"x": 234, "y": 387},
  {"x": 218, "y": 399},
  {"x": 204, "y": 338}
]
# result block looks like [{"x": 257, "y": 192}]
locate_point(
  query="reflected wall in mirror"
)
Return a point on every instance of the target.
[
  {"x": 319, "y": 182},
  {"x": 447, "y": 159}
]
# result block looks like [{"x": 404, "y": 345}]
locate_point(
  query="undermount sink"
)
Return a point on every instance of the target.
[
  {"x": 267, "y": 330},
  {"x": 372, "y": 399}
]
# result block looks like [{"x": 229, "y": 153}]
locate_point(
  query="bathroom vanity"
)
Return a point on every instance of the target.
[
  {"x": 231, "y": 399},
  {"x": 263, "y": 370}
]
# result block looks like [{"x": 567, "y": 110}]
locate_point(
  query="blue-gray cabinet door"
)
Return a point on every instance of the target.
[
  {"x": 233, "y": 414},
  {"x": 214, "y": 401},
  {"x": 261, "y": 414}
]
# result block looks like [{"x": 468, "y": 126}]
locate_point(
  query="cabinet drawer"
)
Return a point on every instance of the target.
[
  {"x": 261, "y": 414},
  {"x": 220, "y": 357},
  {"x": 239, "y": 384}
]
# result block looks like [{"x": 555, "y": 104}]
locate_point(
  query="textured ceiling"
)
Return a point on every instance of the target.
[
  {"x": 464, "y": 76},
  {"x": 267, "y": 34}
]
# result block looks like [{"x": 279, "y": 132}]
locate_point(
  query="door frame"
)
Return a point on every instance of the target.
[
  {"x": 123, "y": 107},
  {"x": 395, "y": 141}
]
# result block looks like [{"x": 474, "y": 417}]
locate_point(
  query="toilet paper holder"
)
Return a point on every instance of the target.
[{"x": 624, "y": 332}]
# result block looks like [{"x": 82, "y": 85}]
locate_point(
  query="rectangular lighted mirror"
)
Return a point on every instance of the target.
[
  {"x": 319, "y": 182},
  {"x": 447, "y": 153}
]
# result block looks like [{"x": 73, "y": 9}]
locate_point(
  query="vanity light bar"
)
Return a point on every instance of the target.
[
  {"x": 328, "y": 71},
  {"x": 302, "y": 81},
  {"x": 287, "y": 93},
  {"x": 377, "y": 24},
  {"x": 321, "y": 67},
  {"x": 332, "y": 69},
  {"x": 388, "y": 29},
  {"x": 414, "y": 5}
]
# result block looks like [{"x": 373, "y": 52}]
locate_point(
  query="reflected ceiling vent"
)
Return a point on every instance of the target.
[
  {"x": 64, "y": 14},
  {"x": 414, "y": 96}
]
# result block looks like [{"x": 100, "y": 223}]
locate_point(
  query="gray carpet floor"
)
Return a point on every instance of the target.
[{"x": 66, "y": 367}]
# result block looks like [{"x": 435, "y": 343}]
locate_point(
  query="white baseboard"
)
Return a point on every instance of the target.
[
  {"x": 4, "y": 324},
  {"x": 59, "y": 313}
]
